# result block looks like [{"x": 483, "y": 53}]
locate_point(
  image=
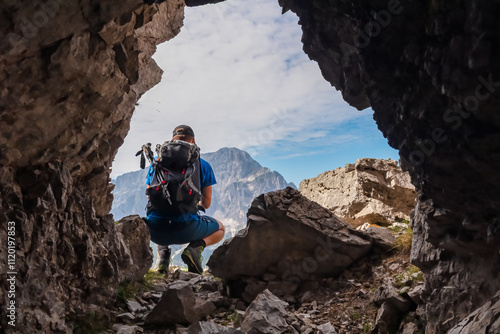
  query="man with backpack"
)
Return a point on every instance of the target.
[{"x": 179, "y": 183}]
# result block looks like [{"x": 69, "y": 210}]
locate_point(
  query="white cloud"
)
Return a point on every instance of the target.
[{"x": 237, "y": 74}]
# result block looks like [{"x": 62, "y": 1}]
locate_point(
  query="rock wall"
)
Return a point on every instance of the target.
[
  {"x": 373, "y": 191},
  {"x": 429, "y": 71},
  {"x": 70, "y": 75}
]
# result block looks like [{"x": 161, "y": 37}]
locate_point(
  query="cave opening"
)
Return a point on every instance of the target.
[
  {"x": 237, "y": 74},
  {"x": 69, "y": 82}
]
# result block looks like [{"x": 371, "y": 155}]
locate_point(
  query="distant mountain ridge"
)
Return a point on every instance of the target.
[{"x": 239, "y": 177}]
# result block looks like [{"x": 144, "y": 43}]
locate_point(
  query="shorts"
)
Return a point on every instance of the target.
[{"x": 168, "y": 233}]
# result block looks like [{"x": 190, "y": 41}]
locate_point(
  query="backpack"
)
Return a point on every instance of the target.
[{"x": 175, "y": 186}]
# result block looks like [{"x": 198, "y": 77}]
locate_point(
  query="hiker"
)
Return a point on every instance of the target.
[{"x": 181, "y": 223}]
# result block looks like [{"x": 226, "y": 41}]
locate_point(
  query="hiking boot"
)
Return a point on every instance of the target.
[
  {"x": 192, "y": 257},
  {"x": 163, "y": 259}
]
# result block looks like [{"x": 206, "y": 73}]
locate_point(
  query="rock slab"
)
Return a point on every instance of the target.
[
  {"x": 265, "y": 315},
  {"x": 290, "y": 237},
  {"x": 179, "y": 305}
]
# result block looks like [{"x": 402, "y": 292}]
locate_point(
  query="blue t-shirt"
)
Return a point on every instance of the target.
[{"x": 207, "y": 177}]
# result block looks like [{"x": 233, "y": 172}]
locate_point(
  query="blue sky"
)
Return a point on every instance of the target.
[{"x": 237, "y": 74}]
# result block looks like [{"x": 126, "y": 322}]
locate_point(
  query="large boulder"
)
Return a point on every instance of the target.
[
  {"x": 137, "y": 257},
  {"x": 374, "y": 191},
  {"x": 291, "y": 237}
]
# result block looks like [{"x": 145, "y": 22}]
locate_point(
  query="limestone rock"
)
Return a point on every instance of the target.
[
  {"x": 387, "y": 320},
  {"x": 209, "y": 327},
  {"x": 326, "y": 328},
  {"x": 266, "y": 314},
  {"x": 134, "y": 241},
  {"x": 133, "y": 306},
  {"x": 485, "y": 320},
  {"x": 382, "y": 238},
  {"x": 128, "y": 329},
  {"x": 179, "y": 305},
  {"x": 415, "y": 294},
  {"x": 371, "y": 191},
  {"x": 410, "y": 328},
  {"x": 388, "y": 294},
  {"x": 291, "y": 237}
]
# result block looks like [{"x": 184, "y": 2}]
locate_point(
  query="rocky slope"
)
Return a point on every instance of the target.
[
  {"x": 370, "y": 191},
  {"x": 239, "y": 180},
  {"x": 334, "y": 279}
]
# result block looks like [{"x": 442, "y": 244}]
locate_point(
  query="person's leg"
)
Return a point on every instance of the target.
[
  {"x": 215, "y": 237},
  {"x": 163, "y": 258},
  {"x": 210, "y": 232},
  {"x": 163, "y": 249}
]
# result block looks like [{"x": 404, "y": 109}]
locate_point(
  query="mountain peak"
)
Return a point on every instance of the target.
[
  {"x": 233, "y": 163},
  {"x": 231, "y": 152}
]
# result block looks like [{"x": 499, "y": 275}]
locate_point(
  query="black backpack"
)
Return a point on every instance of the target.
[{"x": 175, "y": 186}]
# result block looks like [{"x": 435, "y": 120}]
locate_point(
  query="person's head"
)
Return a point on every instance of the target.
[{"x": 183, "y": 132}]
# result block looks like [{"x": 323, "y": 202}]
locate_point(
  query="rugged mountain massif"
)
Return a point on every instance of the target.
[
  {"x": 373, "y": 191},
  {"x": 239, "y": 180},
  {"x": 71, "y": 73}
]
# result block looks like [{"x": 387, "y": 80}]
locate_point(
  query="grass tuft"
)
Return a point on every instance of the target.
[
  {"x": 129, "y": 290},
  {"x": 404, "y": 241}
]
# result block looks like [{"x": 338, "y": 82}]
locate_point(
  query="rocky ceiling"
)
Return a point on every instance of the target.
[{"x": 71, "y": 73}]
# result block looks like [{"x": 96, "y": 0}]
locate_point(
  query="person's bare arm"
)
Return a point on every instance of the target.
[{"x": 206, "y": 197}]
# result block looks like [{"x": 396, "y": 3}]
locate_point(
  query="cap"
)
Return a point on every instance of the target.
[{"x": 183, "y": 130}]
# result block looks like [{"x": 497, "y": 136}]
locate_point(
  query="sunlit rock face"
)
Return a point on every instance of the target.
[
  {"x": 70, "y": 75},
  {"x": 374, "y": 191},
  {"x": 430, "y": 72}
]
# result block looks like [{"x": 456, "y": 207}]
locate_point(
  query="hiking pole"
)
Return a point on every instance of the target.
[
  {"x": 143, "y": 160},
  {"x": 149, "y": 154},
  {"x": 145, "y": 152}
]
